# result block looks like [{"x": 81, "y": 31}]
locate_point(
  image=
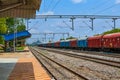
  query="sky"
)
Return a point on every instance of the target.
[{"x": 73, "y": 7}]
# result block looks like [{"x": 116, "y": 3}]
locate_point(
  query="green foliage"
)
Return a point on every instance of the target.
[
  {"x": 112, "y": 31},
  {"x": 3, "y": 29},
  {"x": 10, "y": 23},
  {"x": 20, "y": 48},
  {"x": 62, "y": 39},
  {"x": 1, "y": 40},
  {"x": 70, "y": 38},
  {"x": 49, "y": 41},
  {"x": 2, "y": 20},
  {"x": 17, "y": 23},
  {"x": 97, "y": 34},
  {"x": 21, "y": 27},
  {"x": 3, "y": 26}
]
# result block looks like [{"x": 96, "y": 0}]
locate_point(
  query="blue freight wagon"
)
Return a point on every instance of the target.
[
  {"x": 62, "y": 44},
  {"x": 44, "y": 44},
  {"x": 52, "y": 44},
  {"x": 67, "y": 44},
  {"x": 82, "y": 43}
]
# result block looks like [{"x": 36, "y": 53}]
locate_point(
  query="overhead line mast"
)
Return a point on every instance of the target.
[{"x": 73, "y": 17}]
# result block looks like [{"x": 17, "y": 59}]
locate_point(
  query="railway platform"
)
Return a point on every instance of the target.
[{"x": 21, "y": 66}]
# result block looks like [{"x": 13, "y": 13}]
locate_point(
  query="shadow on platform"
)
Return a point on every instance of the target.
[{"x": 22, "y": 71}]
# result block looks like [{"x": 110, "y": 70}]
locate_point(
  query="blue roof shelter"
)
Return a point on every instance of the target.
[{"x": 18, "y": 35}]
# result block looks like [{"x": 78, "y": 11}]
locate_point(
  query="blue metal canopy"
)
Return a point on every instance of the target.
[{"x": 18, "y": 35}]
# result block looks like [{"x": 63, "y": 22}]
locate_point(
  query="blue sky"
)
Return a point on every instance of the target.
[{"x": 74, "y": 7}]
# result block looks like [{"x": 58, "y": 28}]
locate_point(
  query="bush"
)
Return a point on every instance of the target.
[
  {"x": 112, "y": 31},
  {"x": 1, "y": 40}
]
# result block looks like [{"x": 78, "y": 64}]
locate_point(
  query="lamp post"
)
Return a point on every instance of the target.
[
  {"x": 14, "y": 47},
  {"x": 15, "y": 36}
]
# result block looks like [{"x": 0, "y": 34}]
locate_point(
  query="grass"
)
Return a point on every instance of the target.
[
  {"x": 20, "y": 48},
  {"x": 1, "y": 48},
  {"x": 17, "y": 48}
]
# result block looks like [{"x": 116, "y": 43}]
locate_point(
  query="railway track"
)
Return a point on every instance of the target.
[
  {"x": 40, "y": 56},
  {"x": 115, "y": 55},
  {"x": 108, "y": 54},
  {"x": 90, "y": 58}
]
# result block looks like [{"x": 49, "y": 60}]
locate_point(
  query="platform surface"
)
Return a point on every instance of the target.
[{"x": 21, "y": 66}]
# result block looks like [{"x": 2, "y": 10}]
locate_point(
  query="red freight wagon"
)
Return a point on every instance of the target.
[
  {"x": 57, "y": 44},
  {"x": 49, "y": 44},
  {"x": 73, "y": 43},
  {"x": 95, "y": 42},
  {"x": 111, "y": 40}
]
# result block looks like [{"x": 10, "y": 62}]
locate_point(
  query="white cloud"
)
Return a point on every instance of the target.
[
  {"x": 117, "y": 2},
  {"x": 77, "y": 1},
  {"x": 48, "y": 13}
]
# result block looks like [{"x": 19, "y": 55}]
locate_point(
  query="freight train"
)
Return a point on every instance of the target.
[{"x": 108, "y": 42}]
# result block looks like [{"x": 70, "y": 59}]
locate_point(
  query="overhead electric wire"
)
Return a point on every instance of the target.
[
  {"x": 66, "y": 24},
  {"x": 55, "y": 5},
  {"x": 102, "y": 4},
  {"x": 44, "y": 5},
  {"x": 108, "y": 24},
  {"x": 49, "y": 5},
  {"x": 101, "y": 11}
]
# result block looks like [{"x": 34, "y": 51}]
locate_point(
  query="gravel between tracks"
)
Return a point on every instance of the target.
[
  {"x": 90, "y": 69},
  {"x": 91, "y": 55},
  {"x": 58, "y": 71}
]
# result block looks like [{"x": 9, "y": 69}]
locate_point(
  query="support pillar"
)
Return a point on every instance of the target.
[{"x": 114, "y": 21}]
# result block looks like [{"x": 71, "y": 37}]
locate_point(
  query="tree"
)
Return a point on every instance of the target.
[
  {"x": 112, "y": 31},
  {"x": 70, "y": 38},
  {"x": 10, "y": 23},
  {"x": 15, "y": 23},
  {"x": 1, "y": 40},
  {"x": 3, "y": 26},
  {"x": 21, "y": 27},
  {"x": 62, "y": 39},
  {"x": 97, "y": 34},
  {"x": 3, "y": 29}
]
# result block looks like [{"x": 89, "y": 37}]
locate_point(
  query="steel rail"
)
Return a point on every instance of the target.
[
  {"x": 98, "y": 60},
  {"x": 62, "y": 65},
  {"x": 50, "y": 73}
]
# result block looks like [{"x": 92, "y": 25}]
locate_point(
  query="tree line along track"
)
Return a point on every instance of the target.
[
  {"x": 38, "y": 54},
  {"x": 89, "y": 58}
]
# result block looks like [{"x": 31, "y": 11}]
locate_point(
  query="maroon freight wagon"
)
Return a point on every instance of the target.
[
  {"x": 57, "y": 44},
  {"x": 73, "y": 43},
  {"x": 95, "y": 42},
  {"x": 111, "y": 41}
]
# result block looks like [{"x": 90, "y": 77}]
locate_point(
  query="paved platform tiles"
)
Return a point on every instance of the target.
[
  {"x": 6, "y": 66},
  {"x": 21, "y": 66}
]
